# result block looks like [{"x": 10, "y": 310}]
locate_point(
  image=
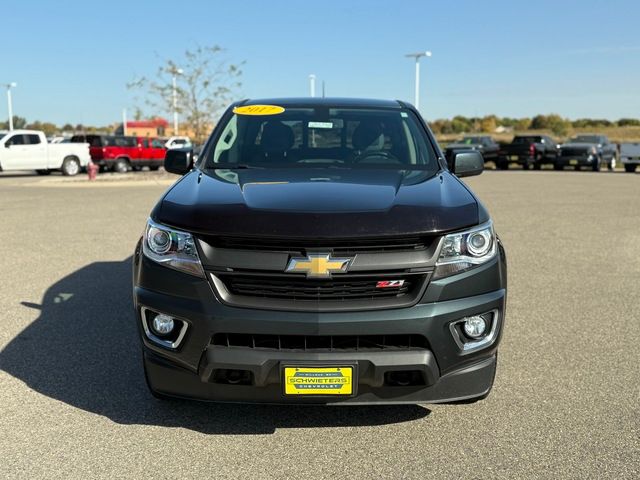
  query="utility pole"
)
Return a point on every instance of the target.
[
  {"x": 9, "y": 103},
  {"x": 417, "y": 56},
  {"x": 175, "y": 72},
  {"x": 312, "y": 84}
]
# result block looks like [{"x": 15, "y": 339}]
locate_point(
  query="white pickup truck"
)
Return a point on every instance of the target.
[{"x": 29, "y": 150}]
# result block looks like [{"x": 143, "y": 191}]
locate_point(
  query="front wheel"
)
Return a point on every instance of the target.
[
  {"x": 70, "y": 167},
  {"x": 629, "y": 167},
  {"x": 121, "y": 166},
  {"x": 502, "y": 165},
  {"x": 537, "y": 164},
  {"x": 557, "y": 166},
  {"x": 154, "y": 168},
  {"x": 596, "y": 166}
]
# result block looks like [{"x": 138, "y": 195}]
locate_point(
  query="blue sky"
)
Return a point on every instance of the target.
[{"x": 73, "y": 59}]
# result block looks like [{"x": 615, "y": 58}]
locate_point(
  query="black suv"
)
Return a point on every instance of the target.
[{"x": 320, "y": 251}]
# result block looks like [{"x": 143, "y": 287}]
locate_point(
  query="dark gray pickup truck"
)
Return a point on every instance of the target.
[
  {"x": 587, "y": 151},
  {"x": 528, "y": 151}
]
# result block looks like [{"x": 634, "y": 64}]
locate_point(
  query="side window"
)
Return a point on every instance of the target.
[
  {"x": 32, "y": 139},
  {"x": 16, "y": 140},
  {"x": 145, "y": 143},
  {"x": 155, "y": 143}
]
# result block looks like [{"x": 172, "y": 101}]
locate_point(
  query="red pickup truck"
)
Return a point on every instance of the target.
[{"x": 121, "y": 153}]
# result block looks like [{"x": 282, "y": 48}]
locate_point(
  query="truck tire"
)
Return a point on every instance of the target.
[
  {"x": 537, "y": 164},
  {"x": 502, "y": 164},
  {"x": 596, "y": 166},
  {"x": 629, "y": 167},
  {"x": 43, "y": 172},
  {"x": 121, "y": 165},
  {"x": 557, "y": 166},
  {"x": 70, "y": 166}
]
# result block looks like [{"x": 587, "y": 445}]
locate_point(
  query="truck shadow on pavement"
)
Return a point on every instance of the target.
[{"x": 84, "y": 350}]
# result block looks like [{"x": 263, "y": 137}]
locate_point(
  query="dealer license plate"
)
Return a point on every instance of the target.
[{"x": 302, "y": 380}]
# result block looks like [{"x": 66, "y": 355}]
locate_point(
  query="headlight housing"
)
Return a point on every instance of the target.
[
  {"x": 171, "y": 248},
  {"x": 464, "y": 250}
]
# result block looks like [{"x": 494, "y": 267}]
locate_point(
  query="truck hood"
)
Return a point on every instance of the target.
[{"x": 319, "y": 203}]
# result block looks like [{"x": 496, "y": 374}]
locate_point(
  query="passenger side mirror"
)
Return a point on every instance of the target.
[
  {"x": 178, "y": 160},
  {"x": 468, "y": 164}
]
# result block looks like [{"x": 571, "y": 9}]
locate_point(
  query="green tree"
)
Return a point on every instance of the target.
[
  {"x": 489, "y": 124},
  {"x": 628, "y": 122},
  {"x": 522, "y": 124},
  {"x": 48, "y": 128},
  {"x": 460, "y": 124},
  {"x": 18, "y": 123},
  {"x": 207, "y": 84}
]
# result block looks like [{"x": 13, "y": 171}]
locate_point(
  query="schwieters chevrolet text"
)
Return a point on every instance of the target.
[{"x": 320, "y": 251}]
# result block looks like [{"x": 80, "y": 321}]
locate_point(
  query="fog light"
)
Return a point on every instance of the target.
[
  {"x": 475, "y": 327},
  {"x": 162, "y": 324}
]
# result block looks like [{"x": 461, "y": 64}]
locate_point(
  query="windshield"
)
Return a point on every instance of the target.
[
  {"x": 323, "y": 137},
  {"x": 585, "y": 139},
  {"x": 2, "y": 134}
]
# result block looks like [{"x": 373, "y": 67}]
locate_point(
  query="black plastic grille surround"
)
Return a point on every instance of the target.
[
  {"x": 339, "y": 288},
  {"x": 321, "y": 343},
  {"x": 337, "y": 247},
  {"x": 574, "y": 152}
]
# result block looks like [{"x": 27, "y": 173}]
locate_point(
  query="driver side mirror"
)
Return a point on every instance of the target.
[
  {"x": 178, "y": 160},
  {"x": 468, "y": 164}
]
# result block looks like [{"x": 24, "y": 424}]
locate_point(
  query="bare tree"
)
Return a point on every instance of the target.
[{"x": 206, "y": 83}]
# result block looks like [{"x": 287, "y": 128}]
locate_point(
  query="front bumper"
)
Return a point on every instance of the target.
[
  {"x": 576, "y": 161},
  {"x": 446, "y": 372}
]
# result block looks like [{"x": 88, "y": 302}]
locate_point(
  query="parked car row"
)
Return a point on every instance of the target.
[{"x": 532, "y": 151}]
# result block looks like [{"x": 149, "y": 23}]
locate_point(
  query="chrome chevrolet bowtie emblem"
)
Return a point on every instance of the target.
[{"x": 318, "y": 265}]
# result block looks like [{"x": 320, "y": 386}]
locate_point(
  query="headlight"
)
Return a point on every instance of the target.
[
  {"x": 463, "y": 250},
  {"x": 171, "y": 248}
]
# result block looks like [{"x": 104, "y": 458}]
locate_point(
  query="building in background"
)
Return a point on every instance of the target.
[{"x": 154, "y": 127}]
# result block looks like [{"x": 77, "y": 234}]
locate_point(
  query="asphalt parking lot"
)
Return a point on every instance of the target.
[{"x": 73, "y": 403}]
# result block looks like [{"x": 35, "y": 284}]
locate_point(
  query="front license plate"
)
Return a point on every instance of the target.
[
  {"x": 318, "y": 380},
  {"x": 573, "y": 162}
]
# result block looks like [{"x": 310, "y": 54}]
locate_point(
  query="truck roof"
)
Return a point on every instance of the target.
[
  {"x": 37, "y": 132},
  {"x": 327, "y": 102}
]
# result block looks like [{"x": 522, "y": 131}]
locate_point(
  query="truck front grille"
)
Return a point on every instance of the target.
[
  {"x": 573, "y": 152},
  {"x": 320, "y": 343},
  {"x": 343, "y": 287}
]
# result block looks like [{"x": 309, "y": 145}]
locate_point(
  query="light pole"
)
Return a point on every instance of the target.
[
  {"x": 175, "y": 72},
  {"x": 9, "y": 87},
  {"x": 417, "y": 56},
  {"x": 312, "y": 85}
]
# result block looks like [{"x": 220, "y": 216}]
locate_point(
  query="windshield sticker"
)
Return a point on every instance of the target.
[
  {"x": 404, "y": 114},
  {"x": 258, "y": 110},
  {"x": 320, "y": 124}
]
